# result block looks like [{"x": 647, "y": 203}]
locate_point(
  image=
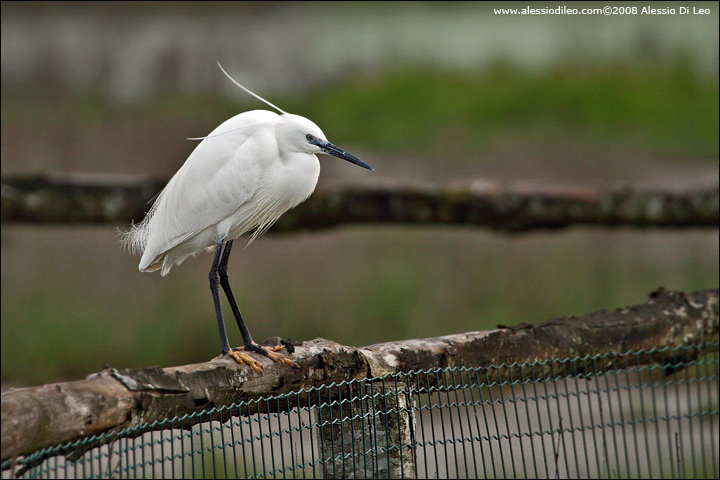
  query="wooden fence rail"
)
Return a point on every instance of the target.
[
  {"x": 503, "y": 206},
  {"x": 108, "y": 401}
]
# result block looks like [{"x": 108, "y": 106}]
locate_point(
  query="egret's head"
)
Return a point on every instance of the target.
[
  {"x": 299, "y": 134},
  {"x": 304, "y": 136}
]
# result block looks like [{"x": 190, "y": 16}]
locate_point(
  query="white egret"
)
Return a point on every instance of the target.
[{"x": 240, "y": 178}]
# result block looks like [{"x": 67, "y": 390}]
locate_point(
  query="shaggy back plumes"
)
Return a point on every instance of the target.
[{"x": 135, "y": 240}]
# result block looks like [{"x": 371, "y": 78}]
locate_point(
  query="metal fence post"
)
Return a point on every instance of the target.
[{"x": 367, "y": 430}]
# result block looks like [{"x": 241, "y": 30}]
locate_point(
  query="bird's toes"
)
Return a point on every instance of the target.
[
  {"x": 257, "y": 366},
  {"x": 290, "y": 363},
  {"x": 245, "y": 358},
  {"x": 278, "y": 357}
]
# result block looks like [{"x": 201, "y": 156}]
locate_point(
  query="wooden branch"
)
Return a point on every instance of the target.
[
  {"x": 38, "y": 417},
  {"x": 502, "y": 206}
]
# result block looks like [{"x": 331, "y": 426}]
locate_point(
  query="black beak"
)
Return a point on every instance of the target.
[{"x": 331, "y": 149}]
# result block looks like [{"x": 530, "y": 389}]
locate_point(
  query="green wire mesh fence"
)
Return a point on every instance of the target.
[{"x": 622, "y": 415}]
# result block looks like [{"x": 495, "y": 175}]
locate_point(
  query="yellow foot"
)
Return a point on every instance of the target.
[
  {"x": 254, "y": 364},
  {"x": 245, "y": 358},
  {"x": 279, "y": 357}
]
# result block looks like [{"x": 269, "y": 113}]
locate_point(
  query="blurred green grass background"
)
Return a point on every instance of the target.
[
  {"x": 73, "y": 301},
  {"x": 667, "y": 111}
]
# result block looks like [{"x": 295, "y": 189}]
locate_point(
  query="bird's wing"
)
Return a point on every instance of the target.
[{"x": 221, "y": 175}]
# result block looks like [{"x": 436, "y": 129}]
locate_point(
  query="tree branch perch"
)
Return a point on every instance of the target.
[{"x": 108, "y": 401}]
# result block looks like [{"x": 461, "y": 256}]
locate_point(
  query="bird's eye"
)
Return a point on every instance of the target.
[{"x": 309, "y": 137}]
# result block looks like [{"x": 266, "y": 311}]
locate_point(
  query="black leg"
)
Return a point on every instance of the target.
[
  {"x": 225, "y": 283},
  {"x": 214, "y": 281},
  {"x": 220, "y": 268}
]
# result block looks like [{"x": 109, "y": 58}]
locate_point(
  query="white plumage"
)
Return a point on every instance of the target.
[
  {"x": 240, "y": 178},
  {"x": 243, "y": 176}
]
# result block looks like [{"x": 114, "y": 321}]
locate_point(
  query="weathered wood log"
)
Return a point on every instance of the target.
[
  {"x": 38, "y": 417},
  {"x": 513, "y": 206}
]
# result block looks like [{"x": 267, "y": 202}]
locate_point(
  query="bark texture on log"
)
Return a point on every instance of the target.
[
  {"x": 38, "y": 417},
  {"x": 500, "y": 206}
]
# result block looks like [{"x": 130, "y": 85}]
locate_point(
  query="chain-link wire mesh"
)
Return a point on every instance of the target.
[{"x": 620, "y": 415}]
